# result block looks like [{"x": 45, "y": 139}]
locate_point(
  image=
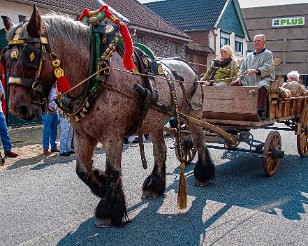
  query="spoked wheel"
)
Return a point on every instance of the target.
[
  {"x": 302, "y": 137},
  {"x": 272, "y": 153},
  {"x": 189, "y": 152}
]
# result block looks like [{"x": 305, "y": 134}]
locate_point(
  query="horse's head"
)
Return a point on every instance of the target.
[{"x": 27, "y": 60}]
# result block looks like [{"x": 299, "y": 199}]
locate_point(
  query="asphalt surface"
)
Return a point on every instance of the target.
[{"x": 46, "y": 203}]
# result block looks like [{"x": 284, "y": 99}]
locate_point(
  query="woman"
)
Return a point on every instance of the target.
[{"x": 222, "y": 72}]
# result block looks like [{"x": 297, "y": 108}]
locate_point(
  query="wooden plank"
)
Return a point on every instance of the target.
[
  {"x": 231, "y": 99},
  {"x": 239, "y": 124},
  {"x": 230, "y": 116}
]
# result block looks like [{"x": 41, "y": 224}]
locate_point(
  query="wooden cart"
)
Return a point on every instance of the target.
[{"x": 234, "y": 110}]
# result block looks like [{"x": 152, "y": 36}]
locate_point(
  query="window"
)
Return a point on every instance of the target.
[
  {"x": 21, "y": 18},
  {"x": 224, "y": 38},
  {"x": 139, "y": 39},
  {"x": 239, "y": 45},
  {"x": 174, "y": 49}
]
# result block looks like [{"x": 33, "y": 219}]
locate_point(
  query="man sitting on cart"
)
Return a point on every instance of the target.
[{"x": 258, "y": 69}]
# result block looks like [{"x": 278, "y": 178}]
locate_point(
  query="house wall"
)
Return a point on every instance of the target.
[
  {"x": 162, "y": 46},
  {"x": 200, "y": 37},
  {"x": 197, "y": 61},
  {"x": 13, "y": 9},
  {"x": 288, "y": 44}
]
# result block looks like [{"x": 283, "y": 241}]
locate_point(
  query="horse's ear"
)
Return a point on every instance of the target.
[
  {"x": 35, "y": 24},
  {"x": 8, "y": 23}
]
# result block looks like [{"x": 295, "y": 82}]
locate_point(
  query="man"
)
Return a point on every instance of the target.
[
  {"x": 258, "y": 69},
  {"x": 294, "y": 85},
  {"x": 6, "y": 141},
  {"x": 50, "y": 123}
]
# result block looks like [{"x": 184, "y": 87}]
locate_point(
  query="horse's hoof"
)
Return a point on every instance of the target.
[
  {"x": 103, "y": 223},
  {"x": 201, "y": 184},
  {"x": 149, "y": 195}
]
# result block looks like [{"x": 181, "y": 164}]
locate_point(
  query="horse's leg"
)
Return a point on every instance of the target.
[
  {"x": 111, "y": 209},
  {"x": 84, "y": 149},
  {"x": 204, "y": 169},
  {"x": 155, "y": 184}
]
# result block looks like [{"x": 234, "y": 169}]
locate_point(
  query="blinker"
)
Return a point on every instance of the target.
[{"x": 31, "y": 56}]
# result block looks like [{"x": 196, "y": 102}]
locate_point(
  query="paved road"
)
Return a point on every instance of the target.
[{"x": 46, "y": 204}]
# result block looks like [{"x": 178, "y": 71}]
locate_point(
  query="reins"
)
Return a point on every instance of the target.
[{"x": 129, "y": 72}]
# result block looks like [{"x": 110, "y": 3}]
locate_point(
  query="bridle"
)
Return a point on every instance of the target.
[{"x": 31, "y": 57}]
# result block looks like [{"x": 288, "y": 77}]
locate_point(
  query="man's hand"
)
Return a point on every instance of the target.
[
  {"x": 236, "y": 82},
  {"x": 251, "y": 71}
]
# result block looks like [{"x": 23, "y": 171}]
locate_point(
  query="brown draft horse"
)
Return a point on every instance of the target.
[{"x": 112, "y": 115}]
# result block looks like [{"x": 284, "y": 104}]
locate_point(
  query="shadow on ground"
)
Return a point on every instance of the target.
[{"x": 238, "y": 184}]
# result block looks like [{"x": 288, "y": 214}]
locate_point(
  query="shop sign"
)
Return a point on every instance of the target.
[{"x": 291, "y": 21}]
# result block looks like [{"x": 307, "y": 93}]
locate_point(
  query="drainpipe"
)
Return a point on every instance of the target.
[
  {"x": 215, "y": 41},
  {"x": 284, "y": 50}
]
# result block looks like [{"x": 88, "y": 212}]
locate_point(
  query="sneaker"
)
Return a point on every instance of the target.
[
  {"x": 64, "y": 154},
  {"x": 10, "y": 154},
  {"x": 46, "y": 152},
  {"x": 55, "y": 150},
  {"x": 71, "y": 152}
]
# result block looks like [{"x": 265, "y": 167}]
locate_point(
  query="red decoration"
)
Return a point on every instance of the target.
[
  {"x": 104, "y": 9},
  {"x": 63, "y": 84},
  {"x": 85, "y": 12},
  {"x": 127, "y": 40},
  {"x": 128, "y": 46}
]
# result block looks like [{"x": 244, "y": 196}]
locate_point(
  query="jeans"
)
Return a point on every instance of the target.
[
  {"x": 66, "y": 135},
  {"x": 6, "y": 141},
  {"x": 50, "y": 130}
]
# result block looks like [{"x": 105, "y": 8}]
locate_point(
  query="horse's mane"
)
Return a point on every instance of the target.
[
  {"x": 62, "y": 26},
  {"x": 58, "y": 26}
]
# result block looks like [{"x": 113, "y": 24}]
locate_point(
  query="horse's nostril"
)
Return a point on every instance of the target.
[{"x": 23, "y": 110}]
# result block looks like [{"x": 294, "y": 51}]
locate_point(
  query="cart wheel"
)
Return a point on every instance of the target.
[
  {"x": 272, "y": 153},
  {"x": 189, "y": 152},
  {"x": 302, "y": 137}
]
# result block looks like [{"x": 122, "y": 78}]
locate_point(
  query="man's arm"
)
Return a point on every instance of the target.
[{"x": 268, "y": 65}]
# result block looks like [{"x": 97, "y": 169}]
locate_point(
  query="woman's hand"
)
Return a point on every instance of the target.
[{"x": 236, "y": 82}]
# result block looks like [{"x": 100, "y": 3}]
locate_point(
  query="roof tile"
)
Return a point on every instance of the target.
[{"x": 179, "y": 13}]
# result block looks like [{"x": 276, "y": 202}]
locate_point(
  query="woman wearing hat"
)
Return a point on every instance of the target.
[{"x": 222, "y": 72}]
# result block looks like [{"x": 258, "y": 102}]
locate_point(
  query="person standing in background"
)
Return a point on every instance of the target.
[
  {"x": 50, "y": 123},
  {"x": 66, "y": 136},
  {"x": 6, "y": 141}
]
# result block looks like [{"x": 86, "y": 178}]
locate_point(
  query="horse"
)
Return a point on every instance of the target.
[{"x": 113, "y": 113}]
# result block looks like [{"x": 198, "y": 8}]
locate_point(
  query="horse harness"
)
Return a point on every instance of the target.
[
  {"x": 31, "y": 57},
  {"x": 105, "y": 40}
]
